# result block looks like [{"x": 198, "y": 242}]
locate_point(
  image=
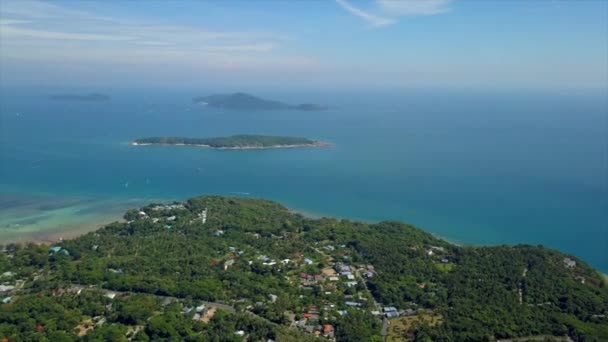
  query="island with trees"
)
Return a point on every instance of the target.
[
  {"x": 243, "y": 101},
  {"x": 240, "y": 141},
  {"x": 218, "y": 268},
  {"x": 93, "y": 97}
]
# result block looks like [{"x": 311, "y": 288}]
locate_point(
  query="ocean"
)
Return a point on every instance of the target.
[{"x": 481, "y": 167}]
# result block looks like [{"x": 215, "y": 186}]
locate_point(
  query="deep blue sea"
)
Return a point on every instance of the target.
[{"x": 472, "y": 166}]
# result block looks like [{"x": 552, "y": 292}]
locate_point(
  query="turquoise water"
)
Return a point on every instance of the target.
[{"x": 475, "y": 167}]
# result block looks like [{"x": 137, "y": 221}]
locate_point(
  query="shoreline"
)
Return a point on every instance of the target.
[{"x": 315, "y": 144}]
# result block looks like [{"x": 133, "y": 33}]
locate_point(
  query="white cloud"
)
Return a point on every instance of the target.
[
  {"x": 413, "y": 7},
  {"x": 10, "y": 31},
  {"x": 391, "y": 10},
  {"x": 39, "y": 31},
  {"x": 370, "y": 18}
]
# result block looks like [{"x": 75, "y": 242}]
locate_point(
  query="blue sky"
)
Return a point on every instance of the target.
[{"x": 316, "y": 43}]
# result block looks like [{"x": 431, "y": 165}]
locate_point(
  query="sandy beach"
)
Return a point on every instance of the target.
[{"x": 316, "y": 144}]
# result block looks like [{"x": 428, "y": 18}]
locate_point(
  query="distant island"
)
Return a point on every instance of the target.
[
  {"x": 80, "y": 97},
  {"x": 244, "y": 101},
  {"x": 241, "y": 141}
]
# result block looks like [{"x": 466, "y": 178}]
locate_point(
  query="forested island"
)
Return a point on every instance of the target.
[
  {"x": 242, "y": 101},
  {"x": 233, "y": 269},
  {"x": 80, "y": 97},
  {"x": 240, "y": 141}
]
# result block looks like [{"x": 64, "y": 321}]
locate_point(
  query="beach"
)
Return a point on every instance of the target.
[{"x": 316, "y": 144}]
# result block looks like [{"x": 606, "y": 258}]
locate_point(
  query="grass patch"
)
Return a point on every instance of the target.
[
  {"x": 444, "y": 267},
  {"x": 399, "y": 329}
]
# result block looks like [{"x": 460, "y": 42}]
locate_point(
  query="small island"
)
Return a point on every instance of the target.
[
  {"x": 235, "y": 142},
  {"x": 80, "y": 97},
  {"x": 242, "y": 101}
]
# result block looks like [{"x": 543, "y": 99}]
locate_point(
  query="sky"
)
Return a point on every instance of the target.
[{"x": 302, "y": 44}]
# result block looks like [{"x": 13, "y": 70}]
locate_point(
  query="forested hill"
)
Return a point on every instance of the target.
[
  {"x": 229, "y": 269},
  {"x": 242, "y": 101}
]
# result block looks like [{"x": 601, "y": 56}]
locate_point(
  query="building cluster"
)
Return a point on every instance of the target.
[{"x": 168, "y": 207}]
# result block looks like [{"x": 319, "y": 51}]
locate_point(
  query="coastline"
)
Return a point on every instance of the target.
[
  {"x": 315, "y": 144},
  {"x": 93, "y": 223}
]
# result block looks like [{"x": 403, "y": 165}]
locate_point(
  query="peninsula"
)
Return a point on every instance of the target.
[
  {"x": 216, "y": 267},
  {"x": 80, "y": 97},
  {"x": 241, "y": 141},
  {"x": 242, "y": 101}
]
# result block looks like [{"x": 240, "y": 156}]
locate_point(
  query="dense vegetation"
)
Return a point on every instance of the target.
[
  {"x": 235, "y": 141},
  {"x": 166, "y": 258},
  {"x": 242, "y": 101}
]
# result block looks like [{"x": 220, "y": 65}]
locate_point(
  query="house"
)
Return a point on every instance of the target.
[
  {"x": 6, "y": 288},
  {"x": 273, "y": 298},
  {"x": 228, "y": 263},
  {"x": 333, "y": 278},
  {"x": 389, "y": 309},
  {"x": 311, "y": 316},
  {"x": 240, "y": 333},
  {"x": 200, "y": 308},
  {"x": 110, "y": 295},
  {"x": 218, "y": 232},
  {"x": 118, "y": 271},
  {"x": 196, "y": 317},
  {"x": 342, "y": 268},
  {"x": 392, "y": 314},
  {"x": 350, "y": 277},
  {"x": 328, "y": 330},
  {"x": 58, "y": 249},
  {"x": 353, "y": 304},
  {"x": 285, "y": 261},
  {"x": 368, "y": 274},
  {"x": 569, "y": 263},
  {"x": 445, "y": 260},
  {"x": 319, "y": 277},
  {"x": 303, "y": 275},
  {"x": 351, "y": 283},
  {"x": 7, "y": 300},
  {"x": 187, "y": 310},
  {"x": 308, "y": 261}
]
